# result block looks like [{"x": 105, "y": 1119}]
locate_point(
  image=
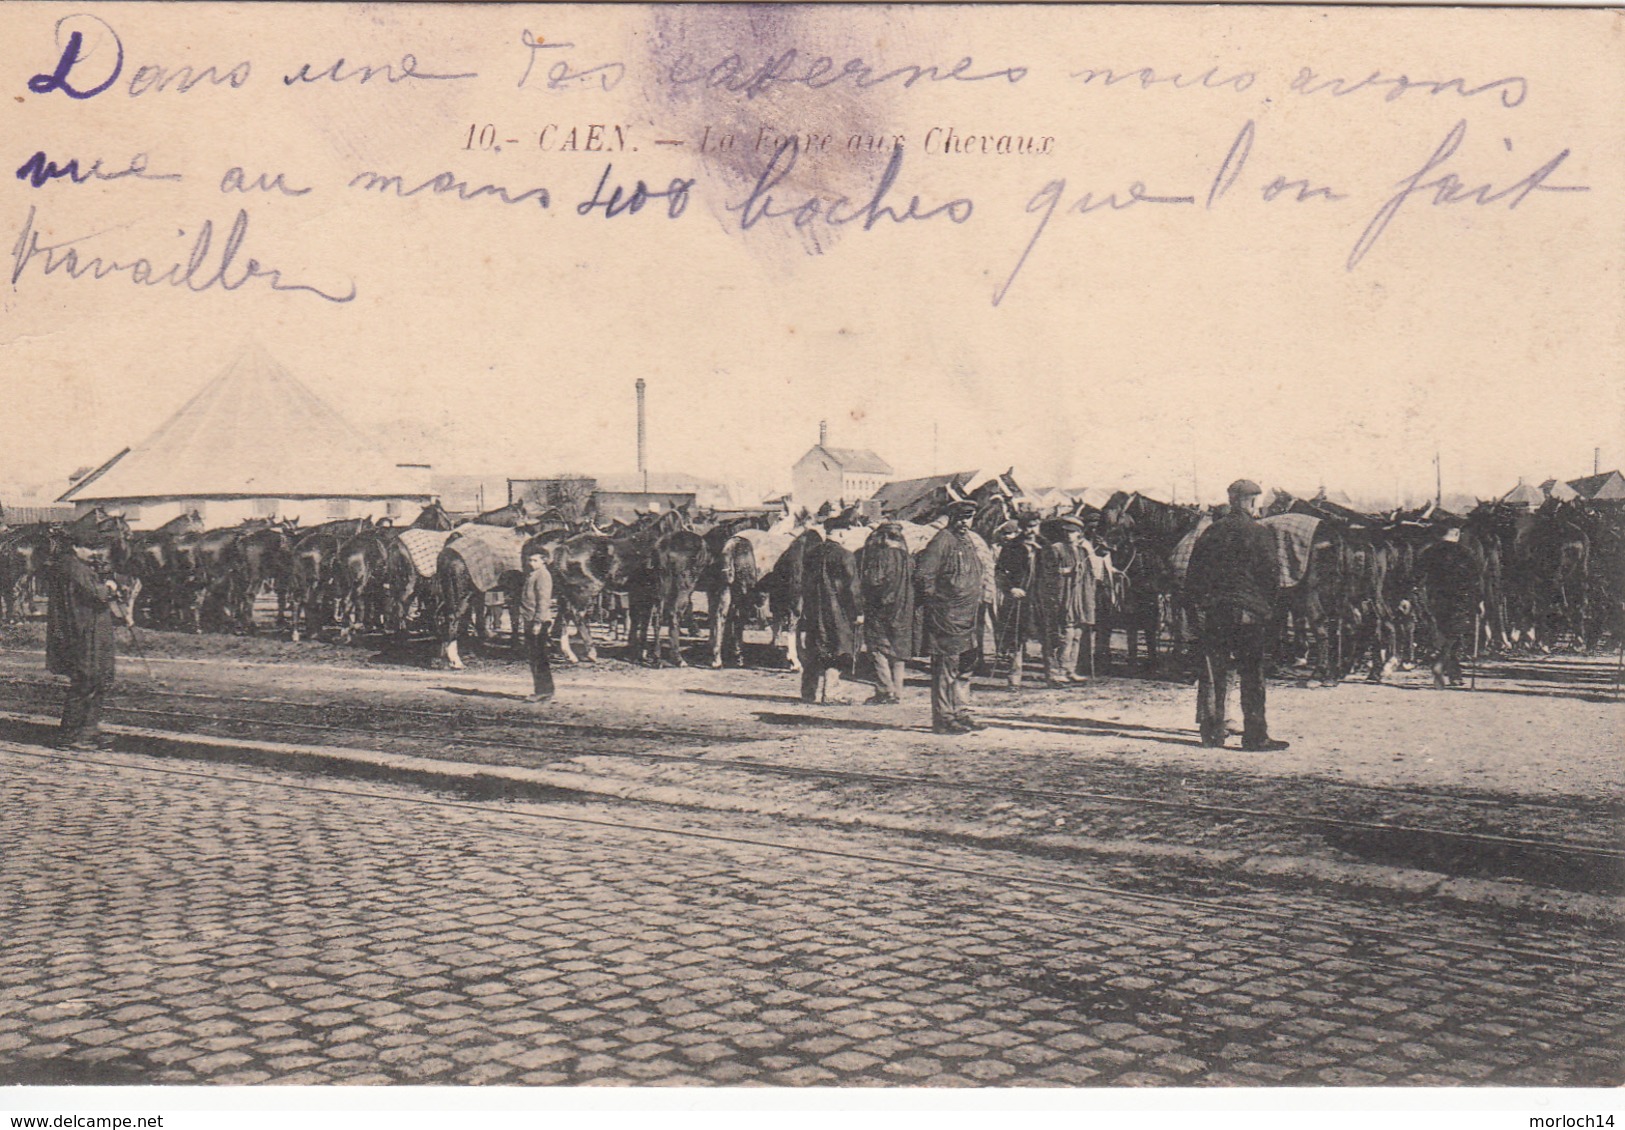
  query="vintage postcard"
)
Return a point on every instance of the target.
[{"x": 915, "y": 547}]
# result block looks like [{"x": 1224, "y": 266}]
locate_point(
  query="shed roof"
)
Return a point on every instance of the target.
[{"x": 1608, "y": 486}]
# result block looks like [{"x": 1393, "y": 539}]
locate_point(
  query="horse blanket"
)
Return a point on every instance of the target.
[
  {"x": 423, "y": 547},
  {"x": 766, "y": 546},
  {"x": 1294, "y": 542},
  {"x": 1181, "y": 559},
  {"x": 488, "y": 551},
  {"x": 918, "y": 537},
  {"x": 851, "y": 538}
]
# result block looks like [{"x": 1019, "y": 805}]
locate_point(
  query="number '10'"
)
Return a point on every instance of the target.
[{"x": 486, "y": 136}]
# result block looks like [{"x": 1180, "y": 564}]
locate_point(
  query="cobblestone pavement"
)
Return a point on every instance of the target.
[{"x": 184, "y": 924}]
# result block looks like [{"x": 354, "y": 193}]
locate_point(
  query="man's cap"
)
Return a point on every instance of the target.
[
  {"x": 1007, "y": 530},
  {"x": 1071, "y": 520},
  {"x": 961, "y": 506},
  {"x": 1244, "y": 488}
]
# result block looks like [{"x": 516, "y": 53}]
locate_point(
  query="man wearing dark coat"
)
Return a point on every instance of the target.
[
  {"x": 829, "y": 614},
  {"x": 79, "y": 640},
  {"x": 1018, "y": 575},
  {"x": 886, "y": 586},
  {"x": 948, "y": 579},
  {"x": 1232, "y": 583}
]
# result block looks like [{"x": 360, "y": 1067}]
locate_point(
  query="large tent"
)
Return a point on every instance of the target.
[{"x": 252, "y": 442}]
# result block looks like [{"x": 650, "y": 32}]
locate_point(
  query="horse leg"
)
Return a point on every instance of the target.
[
  {"x": 720, "y": 607},
  {"x": 455, "y": 617},
  {"x": 791, "y": 651},
  {"x": 673, "y": 623}
]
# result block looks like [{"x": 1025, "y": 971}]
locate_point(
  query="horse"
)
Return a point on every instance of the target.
[
  {"x": 587, "y": 565},
  {"x": 742, "y": 563},
  {"x": 1140, "y": 535},
  {"x": 153, "y": 566},
  {"x": 481, "y": 558},
  {"x": 261, "y": 557},
  {"x": 310, "y": 571},
  {"x": 433, "y": 517}
]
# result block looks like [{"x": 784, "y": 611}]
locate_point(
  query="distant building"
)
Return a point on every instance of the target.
[
  {"x": 623, "y": 497},
  {"x": 836, "y": 475},
  {"x": 1606, "y": 487},
  {"x": 253, "y": 443}
]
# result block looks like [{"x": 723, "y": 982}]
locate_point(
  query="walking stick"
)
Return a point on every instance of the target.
[
  {"x": 135, "y": 645},
  {"x": 1472, "y": 662}
]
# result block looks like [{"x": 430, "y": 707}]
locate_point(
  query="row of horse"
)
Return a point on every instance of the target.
[
  {"x": 1364, "y": 583},
  {"x": 1500, "y": 577}
]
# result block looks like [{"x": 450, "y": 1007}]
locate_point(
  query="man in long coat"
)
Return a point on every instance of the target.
[
  {"x": 1232, "y": 582},
  {"x": 1019, "y": 616},
  {"x": 829, "y": 614},
  {"x": 886, "y": 583},
  {"x": 79, "y": 639},
  {"x": 949, "y": 577}
]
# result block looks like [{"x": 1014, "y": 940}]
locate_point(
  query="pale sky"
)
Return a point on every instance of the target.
[{"x": 1164, "y": 345}]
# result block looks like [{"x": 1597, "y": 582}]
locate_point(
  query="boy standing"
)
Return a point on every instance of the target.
[{"x": 535, "y": 615}]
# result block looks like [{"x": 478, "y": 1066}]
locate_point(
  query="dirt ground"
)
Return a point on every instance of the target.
[{"x": 1534, "y": 727}]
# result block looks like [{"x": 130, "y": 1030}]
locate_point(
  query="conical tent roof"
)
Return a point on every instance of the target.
[
  {"x": 254, "y": 431},
  {"x": 1524, "y": 495}
]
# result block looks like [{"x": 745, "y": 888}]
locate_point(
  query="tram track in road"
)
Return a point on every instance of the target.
[
  {"x": 1566, "y": 863},
  {"x": 1361, "y": 936}
]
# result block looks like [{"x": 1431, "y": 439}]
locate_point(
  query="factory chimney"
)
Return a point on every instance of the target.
[
  {"x": 823, "y": 433},
  {"x": 643, "y": 440}
]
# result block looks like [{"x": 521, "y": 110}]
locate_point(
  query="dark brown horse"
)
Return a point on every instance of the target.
[
  {"x": 261, "y": 557},
  {"x": 588, "y": 565},
  {"x": 1140, "y": 534},
  {"x": 311, "y": 578}
]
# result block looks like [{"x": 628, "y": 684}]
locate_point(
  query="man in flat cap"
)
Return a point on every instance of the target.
[
  {"x": 1232, "y": 583},
  {"x": 79, "y": 612},
  {"x": 1062, "y": 573},
  {"x": 948, "y": 579},
  {"x": 1018, "y": 576}
]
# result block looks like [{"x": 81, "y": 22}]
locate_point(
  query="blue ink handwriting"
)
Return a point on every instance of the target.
[
  {"x": 1514, "y": 88},
  {"x": 38, "y": 170},
  {"x": 1236, "y": 160},
  {"x": 758, "y": 205},
  {"x": 236, "y": 180},
  {"x": 336, "y": 73},
  {"x": 1450, "y": 189},
  {"x": 65, "y": 257},
  {"x": 72, "y": 55},
  {"x": 817, "y": 72},
  {"x": 1148, "y": 77},
  {"x": 1048, "y": 199},
  {"x": 561, "y": 76},
  {"x": 442, "y": 183},
  {"x": 675, "y": 195}
]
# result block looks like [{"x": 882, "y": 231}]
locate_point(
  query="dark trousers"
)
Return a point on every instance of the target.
[
  {"x": 950, "y": 685},
  {"x": 82, "y": 708},
  {"x": 1231, "y": 639},
  {"x": 813, "y": 665},
  {"x": 541, "y": 671}
]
